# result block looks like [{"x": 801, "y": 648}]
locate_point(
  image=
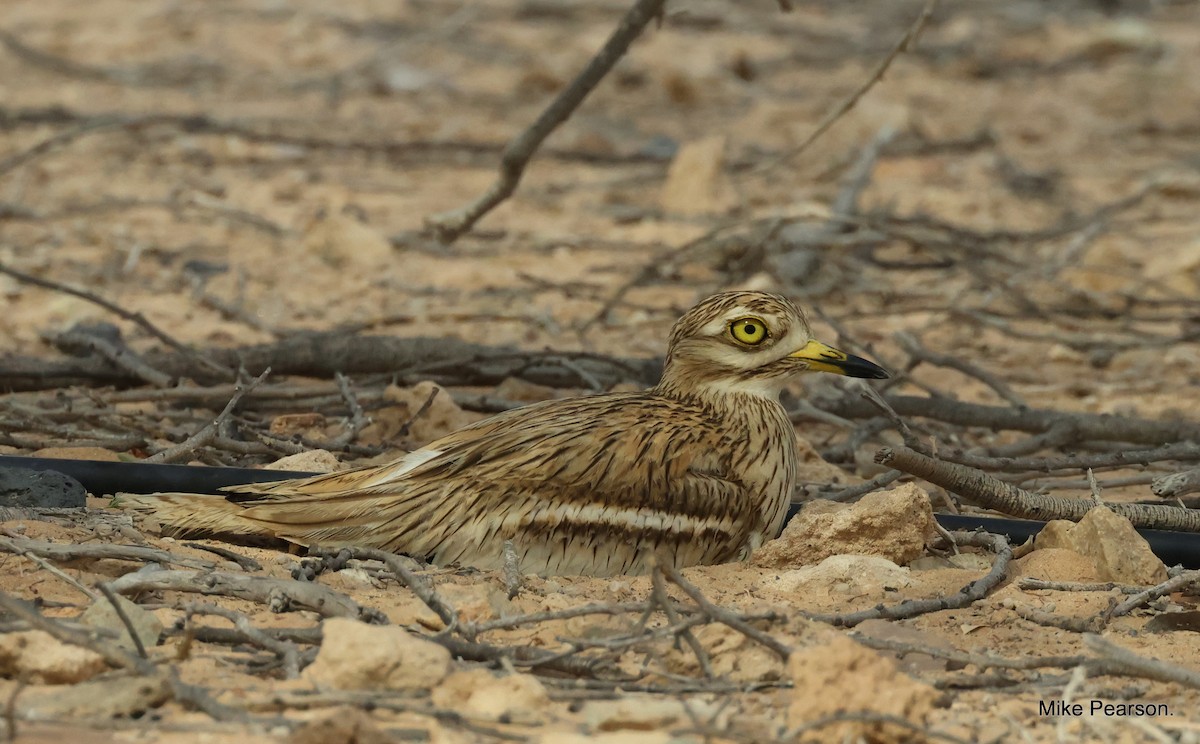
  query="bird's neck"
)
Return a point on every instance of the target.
[
  {"x": 723, "y": 394},
  {"x": 717, "y": 390}
]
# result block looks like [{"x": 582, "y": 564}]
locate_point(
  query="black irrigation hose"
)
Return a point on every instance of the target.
[{"x": 103, "y": 478}]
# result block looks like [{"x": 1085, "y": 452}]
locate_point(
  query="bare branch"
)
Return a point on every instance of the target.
[{"x": 449, "y": 226}]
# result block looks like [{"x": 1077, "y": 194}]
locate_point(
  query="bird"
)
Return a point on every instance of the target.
[{"x": 697, "y": 470}]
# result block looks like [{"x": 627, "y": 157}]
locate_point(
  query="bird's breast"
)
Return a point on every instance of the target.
[{"x": 765, "y": 457}]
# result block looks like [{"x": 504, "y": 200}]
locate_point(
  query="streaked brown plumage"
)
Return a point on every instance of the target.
[{"x": 696, "y": 470}]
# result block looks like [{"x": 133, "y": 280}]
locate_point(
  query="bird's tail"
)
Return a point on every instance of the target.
[
  {"x": 181, "y": 514},
  {"x": 384, "y": 520}
]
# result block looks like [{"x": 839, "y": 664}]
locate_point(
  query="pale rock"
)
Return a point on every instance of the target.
[
  {"x": 357, "y": 656},
  {"x": 477, "y": 693},
  {"x": 1179, "y": 184},
  {"x": 930, "y": 563},
  {"x": 293, "y": 424},
  {"x": 845, "y": 574},
  {"x": 78, "y": 453},
  {"x": 37, "y": 656},
  {"x": 359, "y": 576},
  {"x": 611, "y": 737},
  {"x": 1182, "y": 355},
  {"x": 910, "y": 662},
  {"x": 836, "y": 674},
  {"x": 1098, "y": 279},
  {"x": 1176, "y": 266},
  {"x": 692, "y": 185},
  {"x": 813, "y": 469},
  {"x": 441, "y": 417},
  {"x": 1055, "y": 564},
  {"x": 971, "y": 561},
  {"x": 312, "y": 461},
  {"x": 732, "y": 655},
  {"x": 1119, "y": 37},
  {"x": 101, "y": 614},
  {"x": 524, "y": 391},
  {"x": 96, "y": 699},
  {"x": 1111, "y": 542},
  {"x": 344, "y": 726},
  {"x": 343, "y": 242},
  {"x": 892, "y": 524},
  {"x": 1064, "y": 353},
  {"x": 641, "y": 713}
]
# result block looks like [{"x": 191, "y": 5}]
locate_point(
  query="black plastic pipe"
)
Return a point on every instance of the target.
[{"x": 104, "y": 478}]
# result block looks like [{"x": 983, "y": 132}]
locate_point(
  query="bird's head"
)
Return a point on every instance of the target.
[{"x": 749, "y": 343}]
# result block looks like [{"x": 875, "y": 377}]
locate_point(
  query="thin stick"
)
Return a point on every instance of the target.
[
  {"x": 903, "y": 45},
  {"x": 285, "y": 650},
  {"x": 724, "y": 616},
  {"x": 659, "y": 593},
  {"x": 992, "y": 493},
  {"x": 47, "y": 566},
  {"x": 1171, "y": 585},
  {"x": 449, "y": 226},
  {"x": 209, "y": 432},
  {"x": 424, "y": 591},
  {"x": 115, "y": 601},
  {"x": 117, "y": 310},
  {"x": 1140, "y": 665},
  {"x": 966, "y": 596}
]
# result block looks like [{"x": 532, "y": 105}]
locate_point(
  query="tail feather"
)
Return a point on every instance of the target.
[
  {"x": 188, "y": 513},
  {"x": 328, "y": 520}
]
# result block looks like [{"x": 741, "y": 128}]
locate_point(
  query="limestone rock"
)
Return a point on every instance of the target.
[
  {"x": 641, "y": 713},
  {"x": 1111, "y": 542},
  {"x": 357, "y": 656},
  {"x": 96, "y": 699},
  {"x": 892, "y": 524},
  {"x": 102, "y": 615},
  {"x": 524, "y": 391},
  {"x": 1178, "y": 267},
  {"x": 733, "y": 656},
  {"x": 345, "y": 726},
  {"x": 836, "y": 674},
  {"x": 297, "y": 424},
  {"x": 40, "y": 657},
  {"x": 313, "y": 461},
  {"x": 477, "y": 693},
  {"x": 343, "y": 242},
  {"x": 693, "y": 178},
  {"x": 846, "y": 574},
  {"x": 78, "y": 453},
  {"x": 611, "y": 737},
  {"x": 1055, "y": 564},
  {"x": 441, "y": 417},
  {"x": 813, "y": 469}
]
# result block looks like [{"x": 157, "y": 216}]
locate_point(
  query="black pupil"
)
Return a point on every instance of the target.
[{"x": 750, "y": 329}]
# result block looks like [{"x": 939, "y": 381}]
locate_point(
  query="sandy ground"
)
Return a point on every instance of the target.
[{"x": 1044, "y": 157}]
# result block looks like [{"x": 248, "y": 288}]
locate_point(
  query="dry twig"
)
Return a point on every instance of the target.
[
  {"x": 212, "y": 430},
  {"x": 987, "y": 491},
  {"x": 968, "y": 595},
  {"x": 449, "y": 226}
]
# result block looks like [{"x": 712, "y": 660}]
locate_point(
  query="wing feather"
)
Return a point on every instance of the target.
[{"x": 609, "y": 469}]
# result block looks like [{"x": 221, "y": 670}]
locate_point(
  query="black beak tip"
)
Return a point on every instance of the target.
[{"x": 859, "y": 367}]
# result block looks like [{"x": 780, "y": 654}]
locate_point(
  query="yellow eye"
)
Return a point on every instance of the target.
[{"x": 750, "y": 331}]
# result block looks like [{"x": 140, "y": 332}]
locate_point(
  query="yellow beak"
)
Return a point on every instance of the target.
[{"x": 822, "y": 358}]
